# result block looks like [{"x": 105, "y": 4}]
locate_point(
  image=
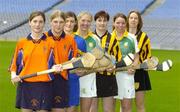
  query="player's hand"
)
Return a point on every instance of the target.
[
  {"x": 73, "y": 59},
  {"x": 15, "y": 80},
  {"x": 57, "y": 68},
  {"x": 111, "y": 69},
  {"x": 131, "y": 71},
  {"x": 80, "y": 72}
]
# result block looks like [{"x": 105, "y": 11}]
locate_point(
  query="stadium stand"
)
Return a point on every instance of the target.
[
  {"x": 14, "y": 13},
  {"x": 21, "y": 12},
  {"x": 169, "y": 10},
  {"x": 111, "y": 6},
  {"x": 163, "y": 25}
]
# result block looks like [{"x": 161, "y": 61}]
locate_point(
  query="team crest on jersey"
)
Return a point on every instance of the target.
[
  {"x": 126, "y": 45},
  {"x": 83, "y": 90},
  {"x": 44, "y": 48},
  {"x": 90, "y": 44},
  {"x": 57, "y": 99},
  {"x": 34, "y": 102},
  {"x": 65, "y": 47}
]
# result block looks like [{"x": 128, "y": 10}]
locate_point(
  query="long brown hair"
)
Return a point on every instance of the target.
[
  {"x": 72, "y": 14},
  {"x": 37, "y": 13},
  {"x": 140, "y": 22}
]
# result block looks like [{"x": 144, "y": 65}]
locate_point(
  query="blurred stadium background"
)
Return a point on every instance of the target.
[
  {"x": 161, "y": 17},
  {"x": 161, "y": 22}
]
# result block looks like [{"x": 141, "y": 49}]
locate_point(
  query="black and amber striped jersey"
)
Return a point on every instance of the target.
[
  {"x": 144, "y": 46},
  {"x": 109, "y": 44}
]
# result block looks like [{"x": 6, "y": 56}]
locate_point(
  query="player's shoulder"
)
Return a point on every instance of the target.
[
  {"x": 49, "y": 39},
  {"x": 144, "y": 36},
  {"x": 131, "y": 35},
  {"x": 142, "y": 33},
  {"x": 94, "y": 36},
  {"x": 69, "y": 37},
  {"x": 77, "y": 37},
  {"x": 46, "y": 33},
  {"x": 22, "y": 40}
]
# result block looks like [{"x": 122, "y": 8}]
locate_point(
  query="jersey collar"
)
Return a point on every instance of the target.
[
  {"x": 56, "y": 38},
  {"x": 43, "y": 37},
  {"x": 125, "y": 34},
  {"x": 100, "y": 37},
  {"x": 89, "y": 34}
]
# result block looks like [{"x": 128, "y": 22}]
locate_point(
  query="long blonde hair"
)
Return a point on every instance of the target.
[{"x": 84, "y": 13}]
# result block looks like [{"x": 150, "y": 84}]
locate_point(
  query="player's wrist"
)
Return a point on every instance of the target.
[{"x": 13, "y": 75}]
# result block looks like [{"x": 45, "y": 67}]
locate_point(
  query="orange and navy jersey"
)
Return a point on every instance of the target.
[
  {"x": 64, "y": 44},
  {"x": 32, "y": 56},
  {"x": 144, "y": 46}
]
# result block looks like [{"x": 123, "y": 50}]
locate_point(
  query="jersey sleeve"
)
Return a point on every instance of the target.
[
  {"x": 13, "y": 65},
  {"x": 117, "y": 52},
  {"x": 144, "y": 46},
  {"x": 147, "y": 48}
]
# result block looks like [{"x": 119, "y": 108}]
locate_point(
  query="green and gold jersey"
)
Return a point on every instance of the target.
[
  {"x": 91, "y": 41},
  {"x": 127, "y": 43}
]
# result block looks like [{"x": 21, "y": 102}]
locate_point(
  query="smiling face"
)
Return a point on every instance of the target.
[
  {"x": 120, "y": 24},
  {"x": 133, "y": 20},
  {"x": 101, "y": 24},
  {"x": 84, "y": 22},
  {"x": 57, "y": 24},
  {"x": 37, "y": 24},
  {"x": 69, "y": 24}
]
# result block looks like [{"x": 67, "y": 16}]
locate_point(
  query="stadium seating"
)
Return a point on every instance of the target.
[
  {"x": 16, "y": 12},
  {"x": 111, "y": 6},
  {"x": 169, "y": 9},
  {"x": 21, "y": 10},
  {"x": 163, "y": 25}
]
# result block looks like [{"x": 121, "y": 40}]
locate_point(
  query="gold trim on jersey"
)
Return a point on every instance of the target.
[
  {"x": 144, "y": 46},
  {"x": 88, "y": 34},
  {"x": 125, "y": 34}
]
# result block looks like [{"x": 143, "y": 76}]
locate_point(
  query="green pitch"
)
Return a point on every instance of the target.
[{"x": 164, "y": 96}]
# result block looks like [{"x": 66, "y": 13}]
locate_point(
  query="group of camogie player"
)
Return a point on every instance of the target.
[{"x": 69, "y": 37}]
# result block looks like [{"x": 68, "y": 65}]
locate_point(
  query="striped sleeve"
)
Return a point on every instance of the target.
[
  {"x": 144, "y": 46},
  {"x": 117, "y": 52},
  {"x": 113, "y": 47}
]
